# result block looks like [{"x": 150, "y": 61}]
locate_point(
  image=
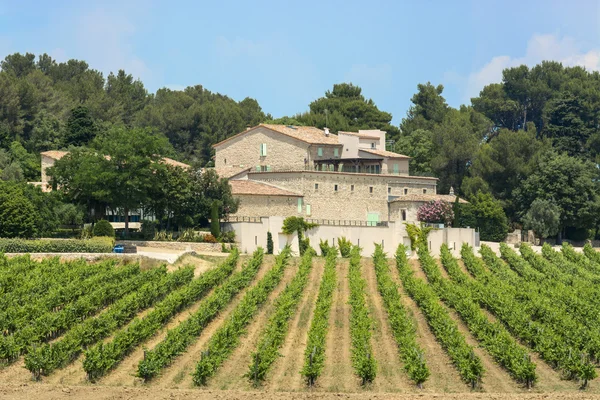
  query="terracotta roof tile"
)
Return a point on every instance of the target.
[
  {"x": 54, "y": 154},
  {"x": 384, "y": 153},
  {"x": 249, "y": 187},
  {"x": 307, "y": 134},
  {"x": 360, "y": 135},
  {"x": 229, "y": 172},
  {"x": 428, "y": 197},
  {"x": 173, "y": 163}
]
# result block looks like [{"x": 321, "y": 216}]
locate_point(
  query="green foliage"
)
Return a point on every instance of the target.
[
  {"x": 95, "y": 245},
  {"x": 275, "y": 332},
  {"x": 543, "y": 217},
  {"x": 314, "y": 354},
  {"x": 417, "y": 234},
  {"x": 464, "y": 216},
  {"x": 269, "y": 243},
  {"x": 103, "y": 357},
  {"x": 403, "y": 326},
  {"x": 345, "y": 247},
  {"x": 215, "y": 224},
  {"x": 46, "y": 358},
  {"x": 180, "y": 337},
  {"x": 18, "y": 217},
  {"x": 490, "y": 217},
  {"x": 443, "y": 326},
  {"x": 300, "y": 226},
  {"x": 148, "y": 229},
  {"x": 104, "y": 228},
  {"x": 325, "y": 247},
  {"x": 69, "y": 214},
  {"x": 227, "y": 338},
  {"x": 81, "y": 128},
  {"x": 361, "y": 323}
]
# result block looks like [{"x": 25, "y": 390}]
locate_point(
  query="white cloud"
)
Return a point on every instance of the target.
[
  {"x": 370, "y": 75},
  {"x": 539, "y": 48}
]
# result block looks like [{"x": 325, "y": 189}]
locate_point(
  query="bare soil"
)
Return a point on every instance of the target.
[{"x": 285, "y": 373}]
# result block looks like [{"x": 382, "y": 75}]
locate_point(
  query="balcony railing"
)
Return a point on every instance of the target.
[
  {"x": 236, "y": 218},
  {"x": 343, "y": 222},
  {"x": 345, "y": 170}
]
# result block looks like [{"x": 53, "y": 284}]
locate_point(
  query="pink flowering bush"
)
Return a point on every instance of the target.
[{"x": 437, "y": 212}]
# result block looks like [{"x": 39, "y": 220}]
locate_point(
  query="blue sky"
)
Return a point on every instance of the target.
[{"x": 286, "y": 54}]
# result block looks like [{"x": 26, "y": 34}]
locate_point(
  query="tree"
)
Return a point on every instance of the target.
[
  {"x": 18, "y": 216},
  {"x": 69, "y": 214},
  {"x": 571, "y": 183},
  {"x": 490, "y": 217},
  {"x": 81, "y": 128},
  {"x": 543, "y": 217},
  {"x": 299, "y": 226},
  {"x": 215, "y": 224},
  {"x": 464, "y": 216},
  {"x": 206, "y": 187},
  {"x": 269, "y": 243}
]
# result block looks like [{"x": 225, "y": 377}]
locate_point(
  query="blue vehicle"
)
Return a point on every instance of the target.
[{"x": 119, "y": 248}]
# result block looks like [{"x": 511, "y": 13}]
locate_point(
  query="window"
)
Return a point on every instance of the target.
[
  {"x": 396, "y": 169},
  {"x": 320, "y": 152},
  {"x": 335, "y": 188},
  {"x": 405, "y": 191},
  {"x": 389, "y": 190},
  {"x": 372, "y": 145},
  {"x": 352, "y": 188},
  {"x": 299, "y": 204},
  {"x": 403, "y": 215},
  {"x": 308, "y": 210},
  {"x": 263, "y": 149},
  {"x": 370, "y": 189},
  {"x": 316, "y": 186},
  {"x": 424, "y": 191},
  {"x": 336, "y": 152}
]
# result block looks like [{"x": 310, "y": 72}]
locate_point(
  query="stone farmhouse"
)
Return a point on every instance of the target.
[{"x": 348, "y": 184}]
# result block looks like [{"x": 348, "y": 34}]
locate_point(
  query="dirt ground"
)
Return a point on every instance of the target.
[{"x": 54, "y": 392}]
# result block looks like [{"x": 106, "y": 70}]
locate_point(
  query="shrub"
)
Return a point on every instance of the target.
[
  {"x": 436, "y": 211},
  {"x": 104, "y": 228},
  {"x": 325, "y": 247},
  {"x": 209, "y": 238},
  {"x": 269, "y": 243},
  {"x": 227, "y": 237},
  {"x": 87, "y": 232},
  {"x": 543, "y": 217},
  {"x": 163, "y": 236},
  {"x": 464, "y": 216},
  {"x": 345, "y": 247},
  {"x": 95, "y": 245}
]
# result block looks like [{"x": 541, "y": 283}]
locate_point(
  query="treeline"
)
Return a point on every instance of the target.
[{"x": 531, "y": 142}]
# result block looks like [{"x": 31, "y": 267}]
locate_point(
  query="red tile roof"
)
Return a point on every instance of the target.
[
  {"x": 384, "y": 153},
  {"x": 247, "y": 187},
  {"x": 58, "y": 154},
  {"x": 307, "y": 134},
  {"x": 360, "y": 135},
  {"x": 428, "y": 197}
]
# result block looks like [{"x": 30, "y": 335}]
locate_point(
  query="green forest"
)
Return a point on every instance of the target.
[{"x": 525, "y": 151}]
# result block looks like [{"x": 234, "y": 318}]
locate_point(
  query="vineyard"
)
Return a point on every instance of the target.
[{"x": 475, "y": 321}]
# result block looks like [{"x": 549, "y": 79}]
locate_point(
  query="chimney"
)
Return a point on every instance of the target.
[
  {"x": 326, "y": 131},
  {"x": 451, "y": 191}
]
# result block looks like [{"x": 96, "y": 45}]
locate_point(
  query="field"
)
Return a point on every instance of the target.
[{"x": 253, "y": 326}]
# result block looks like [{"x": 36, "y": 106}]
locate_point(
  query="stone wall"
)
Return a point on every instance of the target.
[
  {"x": 328, "y": 152},
  {"x": 183, "y": 246},
  {"x": 354, "y": 198},
  {"x": 47, "y": 162},
  {"x": 410, "y": 209},
  {"x": 264, "y": 206},
  {"x": 283, "y": 152}
]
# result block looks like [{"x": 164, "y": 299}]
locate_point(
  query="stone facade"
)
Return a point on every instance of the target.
[
  {"x": 47, "y": 162},
  {"x": 282, "y": 152},
  {"x": 357, "y": 195},
  {"x": 404, "y": 210},
  {"x": 263, "y": 206}
]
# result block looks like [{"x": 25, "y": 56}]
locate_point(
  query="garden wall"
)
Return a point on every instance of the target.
[{"x": 189, "y": 246}]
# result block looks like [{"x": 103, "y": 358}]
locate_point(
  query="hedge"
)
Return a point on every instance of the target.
[{"x": 95, "y": 245}]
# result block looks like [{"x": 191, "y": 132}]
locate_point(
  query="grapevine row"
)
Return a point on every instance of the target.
[
  {"x": 179, "y": 338},
  {"x": 51, "y": 325},
  {"x": 492, "y": 336},
  {"x": 499, "y": 298},
  {"x": 361, "y": 324},
  {"x": 402, "y": 325},
  {"x": 314, "y": 354},
  {"x": 227, "y": 338},
  {"x": 273, "y": 335},
  {"x": 105, "y": 356},
  {"x": 444, "y": 327},
  {"x": 560, "y": 261},
  {"x": 45, "y": 359},
  {"x": 579, "y": 258}
]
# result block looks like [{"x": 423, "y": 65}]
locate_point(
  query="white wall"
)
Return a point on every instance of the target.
[{"x": 250, "y": 235}]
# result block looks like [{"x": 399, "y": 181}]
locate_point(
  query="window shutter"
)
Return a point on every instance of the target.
[
  {"x": 320, "y": 152},
  {"x": 299, "y": 204},
  {"x": 396, "y": 169},
  {"x": 268, "y": 168},
  {"x": 258, "y": 168},
  {"x": 336, "y": 152},
  {"x": 308, "y": 209}
]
